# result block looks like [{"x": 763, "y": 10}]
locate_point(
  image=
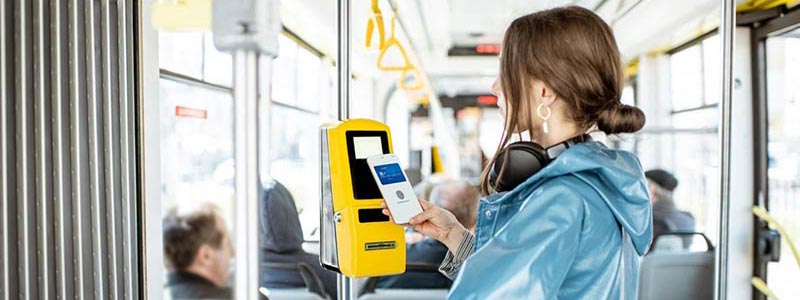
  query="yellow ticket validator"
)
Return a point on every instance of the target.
[{"x": 357, "y": 240}]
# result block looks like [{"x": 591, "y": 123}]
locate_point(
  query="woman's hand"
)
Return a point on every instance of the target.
[{"x": 437, "y": 223}]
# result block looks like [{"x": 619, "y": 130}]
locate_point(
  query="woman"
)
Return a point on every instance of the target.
[{"x": 575, "y": 229}]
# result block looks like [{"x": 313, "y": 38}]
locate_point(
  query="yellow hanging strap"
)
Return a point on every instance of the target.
[
  {"x": 417, "y": 79},
  {"x": 375, "y": 20},
  {"x": 758, "y": 283},
  {"x": 392, "y": 41}
]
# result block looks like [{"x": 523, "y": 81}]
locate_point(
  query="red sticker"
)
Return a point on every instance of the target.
[
  {"x": 487, "y": 100},
  {"x": 188, "y": 112}
]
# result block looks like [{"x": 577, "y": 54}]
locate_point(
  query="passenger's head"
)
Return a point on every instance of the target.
[
  {"x": 565, "y": 60},
  {"x": 197, "y": 241},
  {"x": 458, "y": 197},
  {"x": 661, "y": 184}
]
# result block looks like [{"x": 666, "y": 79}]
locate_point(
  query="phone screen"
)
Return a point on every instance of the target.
[{"x": 390, "y": 173}]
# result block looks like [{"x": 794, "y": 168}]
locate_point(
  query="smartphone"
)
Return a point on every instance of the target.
[{"x": 394, "y": 186}]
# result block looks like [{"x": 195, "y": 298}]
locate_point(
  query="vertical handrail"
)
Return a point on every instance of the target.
[
  {"x": 346, "y": 285},
  {"x": 727, "y": 24},
  {"x": 5, "y": 160},
  {"x": 245, "y": 82},
  {"x": 343, "y": 58}
]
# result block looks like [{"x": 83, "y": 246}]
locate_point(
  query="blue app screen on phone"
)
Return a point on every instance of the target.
[{"x": 389, "y": 174}]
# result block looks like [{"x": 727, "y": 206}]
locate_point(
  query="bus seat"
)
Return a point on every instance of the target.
[
  {"x": 289, "y": 294},
  {"x": 404, "y": 294},
  {"x": 370, "y": 292},
  {"x": 309, "y": 278},
  {"x": 677, "y": 275}
]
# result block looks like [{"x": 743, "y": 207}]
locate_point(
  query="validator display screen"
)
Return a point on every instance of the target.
[
  {"x": 391, "y": 173},
  {"x": 366, "y": 146}
]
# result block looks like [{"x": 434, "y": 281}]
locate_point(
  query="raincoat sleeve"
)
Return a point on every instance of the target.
[{"x": 529, "y": 257}]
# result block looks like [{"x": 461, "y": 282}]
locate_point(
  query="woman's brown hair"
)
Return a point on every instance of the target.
[{"x": 573, "y": 51}]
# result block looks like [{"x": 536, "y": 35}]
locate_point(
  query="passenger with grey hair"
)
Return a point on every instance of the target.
[
  {"x": 457, "y": 196},
  {"x": 666, "y": 216}
]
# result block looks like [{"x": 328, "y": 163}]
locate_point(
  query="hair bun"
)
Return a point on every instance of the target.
[{"x": 620, "y": 118}]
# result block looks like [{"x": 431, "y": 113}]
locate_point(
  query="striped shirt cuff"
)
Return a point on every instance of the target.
[{"x": 453, "y": 261}]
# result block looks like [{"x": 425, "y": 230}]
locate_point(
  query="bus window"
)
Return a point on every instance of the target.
[{"x": 196, "y": 123}]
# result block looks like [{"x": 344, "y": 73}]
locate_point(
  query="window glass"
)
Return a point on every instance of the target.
[
  {"x": 628, "y": 95},
  {"x": 712, "y": 70},
  {"x": 196, "y": 146},
  {"x": 294, "y": 154},
  {"x": 217, "y": 66},
  {"x": 696, "y": 165},
  {"x": 702, "y": 118},
  {"x": 686, "y": 76},
  {"x": 283, "y": 68},
  {"x": 181, "y": 52},
  {"x": 307, "y": 81},
  {"x": 783, "y": 149},
  {"x": 362, "y": 98},
  {"x": 333, "y": 92}
]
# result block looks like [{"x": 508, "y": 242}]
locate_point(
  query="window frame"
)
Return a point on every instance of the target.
[{"x": 698, "y": 41}]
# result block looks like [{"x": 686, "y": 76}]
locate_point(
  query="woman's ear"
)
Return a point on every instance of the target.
[{"x": 544, "y": 92}]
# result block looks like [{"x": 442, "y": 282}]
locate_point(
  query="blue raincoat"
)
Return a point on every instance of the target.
[{"x": 575, "y": 230}]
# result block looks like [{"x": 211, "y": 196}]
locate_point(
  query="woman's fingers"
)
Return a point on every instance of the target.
[
  {"x": 425, "y": 215},
  {"x": 425, "y": 204}
]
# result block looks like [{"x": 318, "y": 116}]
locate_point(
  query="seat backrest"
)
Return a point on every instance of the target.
[
  {"x": 682, "y": 275},
  {"x": 404, "y": 294},
  {"x": 311, "y": 280},
  {"x": 289, "y": 294}
]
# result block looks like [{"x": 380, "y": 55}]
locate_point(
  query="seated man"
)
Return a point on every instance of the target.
[
  {"x": 281, "y": 243},
  {"x": 198, "y": 251},
  {"x": 666, "y": 216},
  {"x": 460, "y": 198}
]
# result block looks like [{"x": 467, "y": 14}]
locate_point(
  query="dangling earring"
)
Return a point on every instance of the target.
[{"x": 544, "y": 117}]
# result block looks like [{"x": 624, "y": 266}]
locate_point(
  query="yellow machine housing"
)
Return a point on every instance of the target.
[{"x": 357, "y": 240}]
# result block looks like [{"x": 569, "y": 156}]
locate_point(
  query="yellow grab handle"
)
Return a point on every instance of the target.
[
  {"x": 418, "y": 84},
  {"x": 396, "y": 68}
]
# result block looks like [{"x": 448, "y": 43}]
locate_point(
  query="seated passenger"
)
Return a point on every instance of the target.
[
  {"x": 461, "y": 199},
  {"x": 281, "y": 241},
  {"x": 666, "y": 216},
  {"x": 198, "y": 251}
]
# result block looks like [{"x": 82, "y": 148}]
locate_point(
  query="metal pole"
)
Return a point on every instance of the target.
[
  {"x": 343, "y": 59},
  {"x": 346, "y": 285},
  {"x": 728, "y": 26},
  {"x": 246, "y": 160}
]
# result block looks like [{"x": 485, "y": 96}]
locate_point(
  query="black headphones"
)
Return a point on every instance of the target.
[{"x": 524, "y": 160}]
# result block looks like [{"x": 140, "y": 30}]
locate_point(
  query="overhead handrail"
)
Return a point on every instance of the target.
[
  {"x": 393, "y": 41},
  {"x": 375, "y": 20}
]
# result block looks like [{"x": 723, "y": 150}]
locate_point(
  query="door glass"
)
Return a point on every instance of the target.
[{"x": 783, "y": 149}]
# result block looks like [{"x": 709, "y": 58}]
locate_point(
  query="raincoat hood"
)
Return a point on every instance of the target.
[{"x": 622, "y": 185}]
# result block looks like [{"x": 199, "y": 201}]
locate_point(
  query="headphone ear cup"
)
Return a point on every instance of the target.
[{"x": 516, "y": 163}]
